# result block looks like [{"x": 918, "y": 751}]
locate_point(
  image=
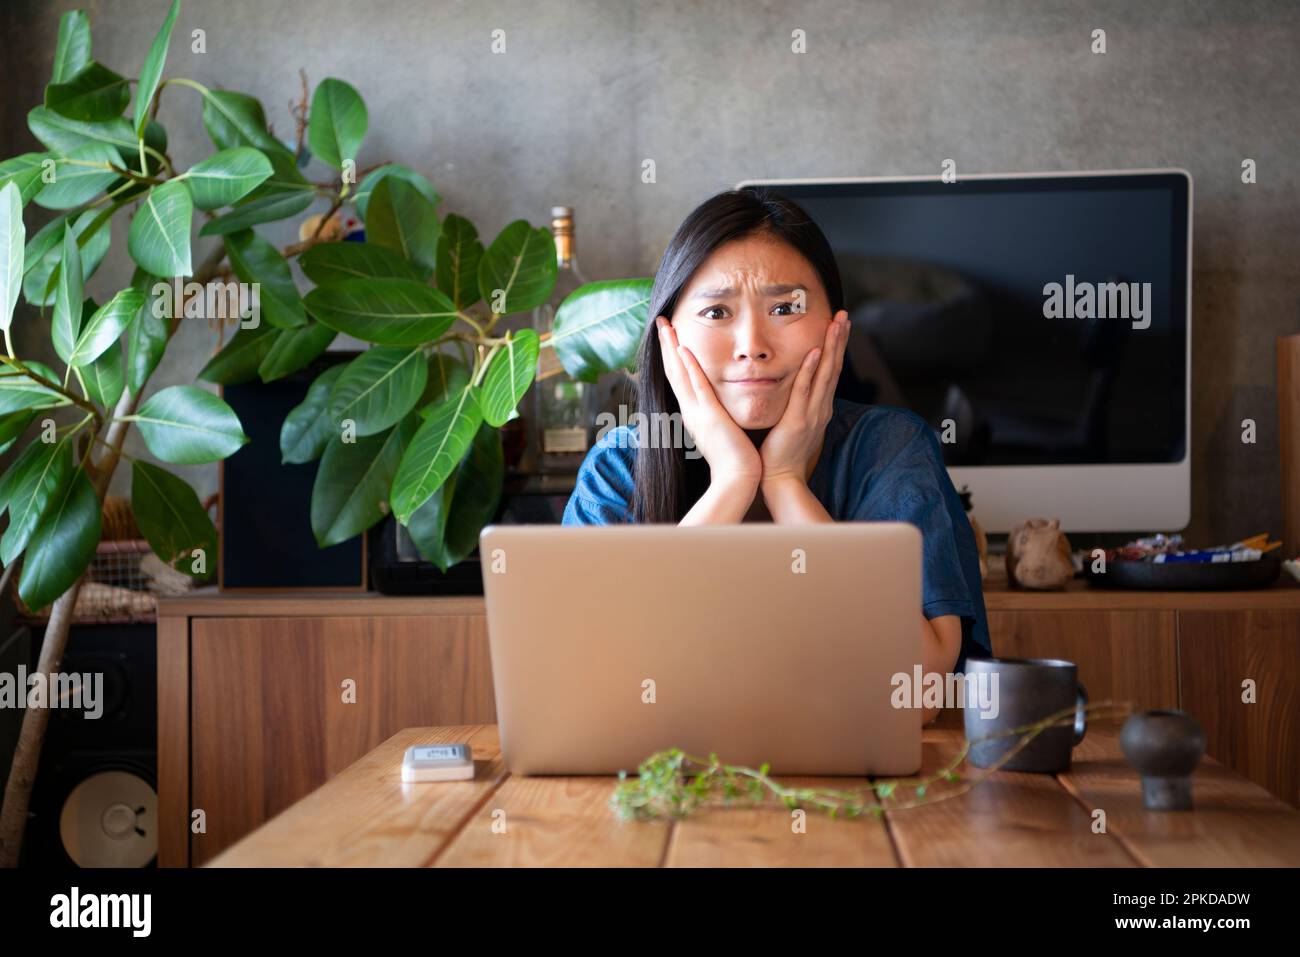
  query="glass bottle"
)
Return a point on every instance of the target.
[{"x": 564, "y": 407}]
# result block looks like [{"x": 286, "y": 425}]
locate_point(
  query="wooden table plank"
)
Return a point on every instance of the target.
[
  {"x": 745, "y": 835},
  {"x": 554, "y": 822},
  {"x": 1011, "y": 819},
  {"x": 1234, "y": 822},
  {"x": 366, "y": 816}
]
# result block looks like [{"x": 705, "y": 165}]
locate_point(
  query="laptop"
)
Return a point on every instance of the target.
[{"x": 757, "y": 642}]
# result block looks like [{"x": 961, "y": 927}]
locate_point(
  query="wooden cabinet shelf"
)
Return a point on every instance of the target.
[{"x": 263, "y": 698}]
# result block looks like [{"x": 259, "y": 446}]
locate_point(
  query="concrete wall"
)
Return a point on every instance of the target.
[{"x": 712, "y": 92}]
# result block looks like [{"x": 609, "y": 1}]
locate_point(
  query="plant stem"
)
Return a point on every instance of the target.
[
  {"x": 182, "y": 81},
  {"x": 662, "y": 778},
  {"x": 53, "y": 386},
  {"x": 477, "y": 328},
  {"x": 482, "y": 369}
]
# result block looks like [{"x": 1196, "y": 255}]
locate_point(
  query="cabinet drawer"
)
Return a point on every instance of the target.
[
  {"x": 278, "y": 706},
  {"x": 1220, "y": 651}
]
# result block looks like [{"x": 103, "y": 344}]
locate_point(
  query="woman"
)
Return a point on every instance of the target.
[{"x": 747, "y": 345}]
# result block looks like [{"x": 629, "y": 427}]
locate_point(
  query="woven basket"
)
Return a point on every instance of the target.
[
  {"x": 124, "y": 579},
  {"x": 115, "y": 591}
]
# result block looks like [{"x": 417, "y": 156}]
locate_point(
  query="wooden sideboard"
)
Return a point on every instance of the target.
[{"x": 263, "y": 698}]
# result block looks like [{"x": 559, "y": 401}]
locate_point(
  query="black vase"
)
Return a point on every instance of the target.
[{"x": 1164, "y": 747}]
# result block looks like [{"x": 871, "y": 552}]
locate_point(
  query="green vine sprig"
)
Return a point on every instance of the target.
[{"x": 673, "y": 784}]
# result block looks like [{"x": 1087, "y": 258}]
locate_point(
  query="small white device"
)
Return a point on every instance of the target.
[{"x": 438, "y": 762}]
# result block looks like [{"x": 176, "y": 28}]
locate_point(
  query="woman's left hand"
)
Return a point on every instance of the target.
[{"x": 790, "y": 448}]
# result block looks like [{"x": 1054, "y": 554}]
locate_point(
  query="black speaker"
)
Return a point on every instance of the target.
[
  {"x": 95, "y": 803},
  {"x": 266, "y": 536}
]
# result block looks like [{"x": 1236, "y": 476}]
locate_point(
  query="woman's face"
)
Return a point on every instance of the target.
[{"x": 753, "y": 310}]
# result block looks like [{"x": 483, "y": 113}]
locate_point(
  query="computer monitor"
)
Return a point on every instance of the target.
[{"x": 1040, "y": 322}]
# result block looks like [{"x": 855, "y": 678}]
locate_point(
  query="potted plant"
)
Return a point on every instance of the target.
[{"x": 409, "y": 427}]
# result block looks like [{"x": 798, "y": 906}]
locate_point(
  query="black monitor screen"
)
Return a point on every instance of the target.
[{"x": 1035, "y": 321}]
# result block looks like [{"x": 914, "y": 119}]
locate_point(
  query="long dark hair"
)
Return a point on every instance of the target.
[{"x": 667, "y": 483}]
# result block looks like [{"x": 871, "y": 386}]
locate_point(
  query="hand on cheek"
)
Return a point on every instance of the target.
[{"x": 791, "y": 447}]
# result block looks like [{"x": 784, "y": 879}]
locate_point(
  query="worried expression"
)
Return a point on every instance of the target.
[{"x": 750, "y": 314}]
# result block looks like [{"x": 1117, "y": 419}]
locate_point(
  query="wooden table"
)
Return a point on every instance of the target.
[{"x": 366, "y": 816}]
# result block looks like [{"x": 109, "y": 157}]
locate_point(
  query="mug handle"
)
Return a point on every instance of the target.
[{"x": 1080, "y": 715}]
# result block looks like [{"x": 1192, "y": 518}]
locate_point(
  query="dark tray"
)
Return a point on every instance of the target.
[{"x": 1185, "y": 576}]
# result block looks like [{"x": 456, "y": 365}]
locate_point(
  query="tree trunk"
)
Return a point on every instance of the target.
[
  {"x": 27, "y": 755},
  {"x": 18, "y": 791}
]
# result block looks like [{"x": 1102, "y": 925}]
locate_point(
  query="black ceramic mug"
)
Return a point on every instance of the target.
[{"x": 1027, "y": 690}]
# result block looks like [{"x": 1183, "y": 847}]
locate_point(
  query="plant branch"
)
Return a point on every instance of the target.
[
  {"x": 52, "y": 386},
  {"x": 299, "y": 112},
  {"x": 662, "y": 788}
]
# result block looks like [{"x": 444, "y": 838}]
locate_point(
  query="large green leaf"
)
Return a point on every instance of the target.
[
  {"x": 43, "y": 256},
  {"x": 18, "y": 391},
  {"x": 447, "y": 375},
  {"x": 76, "y": 182},
  {"x": 225, "y": 177},
  {"x": 598, "y": 328},
  {"x": 264, "y": 209},
  {"x": 337, "y": 122},
  {"x": 387, "y": 312},
  {"x": 521, "y": 263},
  {"x": 293, "y": 349},
  {"x": 285, "y": 175},
  {"x": 24, "y": 171},
  {"x": 480, "y": 480},
  {"x": 331, "y": 262},
  {"x": 399, "y": 217},
  {"x": 186, "y": 425},
  {"x": 147, "y": 338},
  {"x": 434, "y": 452},
  {"x": 307, "y": 428},
  {"x": 72, "y": 54},
  {"x": 367, "y": 186},
  {"x": 459, "y": 253},
  {"x": 159, "y": 237},
  {"x": 38, "y": 475},
  {"x": 427, "y": 525},
  {"x": 46, "y": 244},
  {"x": 238, "y": 361},
  {"x": 93, "y": 95},
  {"x": 12, "y": 427},
  {"x": 379, "y": 388},
  {"x": 66, "y": 324},
  {"x": 237, "y": 119},
  {"x": 105, "y": 378},
  {"x": 106, "y": 326},
  {"x": 12, "y": 234},
  {"x": 62, "y": 134},
  {"x": 151, "y": 72},
  {"x": 508, "y": 377},
  {"x": 63, "y": 545},
  {"x": 254, "y": 260},
  {"x": 352, "y": 483},
  {"x": 171, "y": 518},
  {"x": 445, "y": 529}
]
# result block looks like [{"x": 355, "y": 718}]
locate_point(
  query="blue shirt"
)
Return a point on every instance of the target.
[{"x": 878, "y": 463}]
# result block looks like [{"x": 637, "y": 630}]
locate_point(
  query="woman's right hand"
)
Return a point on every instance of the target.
[{"x": 731, "y": 453}]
